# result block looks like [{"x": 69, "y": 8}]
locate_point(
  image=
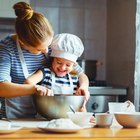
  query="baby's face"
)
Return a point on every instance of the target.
[{"x": 61, "y": 66}]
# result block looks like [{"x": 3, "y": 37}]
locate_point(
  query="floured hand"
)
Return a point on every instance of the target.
[{"x": 43, "y": 91}]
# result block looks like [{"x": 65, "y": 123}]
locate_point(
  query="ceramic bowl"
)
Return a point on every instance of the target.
[
  {"x": 80, "y": 118},
  {"x": 103, "y": 119},
  {"x": 128, "y": 119}
]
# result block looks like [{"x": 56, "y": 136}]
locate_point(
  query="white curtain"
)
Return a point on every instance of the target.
[{"x": 137, "y": 60}]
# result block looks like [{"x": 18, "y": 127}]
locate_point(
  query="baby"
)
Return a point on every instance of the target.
[{"x": 58, "y": 78}]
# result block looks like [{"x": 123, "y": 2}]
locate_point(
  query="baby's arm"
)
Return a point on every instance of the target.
[
  {"x": 35, "y": 78},
  {"x": 83, "y": 82}
]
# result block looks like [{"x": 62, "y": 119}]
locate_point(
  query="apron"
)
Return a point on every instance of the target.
[
  {"x": 62, "y": 89},
  {"x": 28, "y": 100},
  {"x": 22, "y": 60}
]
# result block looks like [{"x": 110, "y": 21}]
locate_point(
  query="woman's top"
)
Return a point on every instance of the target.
[
  {"x": 62, "y": 82},
  {"x": 2, "y": 108},
  {"x": 11, "y": 71}
]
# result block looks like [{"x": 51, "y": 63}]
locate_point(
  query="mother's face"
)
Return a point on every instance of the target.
[{"x": 41, "y": 48}]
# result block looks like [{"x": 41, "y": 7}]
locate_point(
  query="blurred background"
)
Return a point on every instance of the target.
[{"x": 106, "y": 27}]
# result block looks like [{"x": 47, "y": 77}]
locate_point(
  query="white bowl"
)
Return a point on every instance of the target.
[
  {"x": 103, "y": 119},
  {"x": 80, "y": 118},
  {"x": 128, "y": 119}
]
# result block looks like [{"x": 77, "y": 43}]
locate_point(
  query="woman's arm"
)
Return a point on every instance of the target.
[{"x": 8, "y": 89}]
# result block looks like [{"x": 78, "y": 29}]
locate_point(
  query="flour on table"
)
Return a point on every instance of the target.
[{"x": 62, "y": 123}]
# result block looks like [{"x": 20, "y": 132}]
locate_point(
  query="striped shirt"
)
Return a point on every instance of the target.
[
  {"x": 2, "y": 108},
  {"x": 11, "y": 71},
  {"x": 60, "y": 80}
]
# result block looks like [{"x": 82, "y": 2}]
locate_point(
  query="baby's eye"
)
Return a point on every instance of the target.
[{"x": 68, "y": 65}]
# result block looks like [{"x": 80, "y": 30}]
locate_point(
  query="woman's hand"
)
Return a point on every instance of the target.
[{"x": 43, "y": 91}]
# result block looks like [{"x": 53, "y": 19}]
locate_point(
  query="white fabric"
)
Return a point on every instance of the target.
[
  {"x": 61, "y": 89},
  {"x": 22, "y": 60},
  {"x": 67, "y": 46}
]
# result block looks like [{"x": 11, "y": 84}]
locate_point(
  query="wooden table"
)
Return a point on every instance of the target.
[
  {"x": 113, "y": 133},
  {"x": 92, "y": 133}
]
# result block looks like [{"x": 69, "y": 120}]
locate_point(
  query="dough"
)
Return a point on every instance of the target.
[{"x": 62, "y": 123}]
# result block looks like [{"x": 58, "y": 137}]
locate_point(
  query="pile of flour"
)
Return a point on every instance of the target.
[{"x": 63, "y": 123}]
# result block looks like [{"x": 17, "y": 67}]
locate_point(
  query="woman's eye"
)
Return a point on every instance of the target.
[{"x": 58, "y": 62}]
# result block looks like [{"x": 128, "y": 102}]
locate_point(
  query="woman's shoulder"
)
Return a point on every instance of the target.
[{"x": 7, "y": 42}]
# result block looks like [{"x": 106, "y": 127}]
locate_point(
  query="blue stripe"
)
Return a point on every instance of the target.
[
  {"x": 47, "y": 81},
  {"x": 10, "y": 63}
]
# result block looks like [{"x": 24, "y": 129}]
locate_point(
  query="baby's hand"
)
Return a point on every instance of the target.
[
  {"x": 43, "y": 91},
  {"x": 84, "y": 92}
]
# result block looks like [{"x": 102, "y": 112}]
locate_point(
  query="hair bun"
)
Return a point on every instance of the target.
[{"x": 23, "y": 11}]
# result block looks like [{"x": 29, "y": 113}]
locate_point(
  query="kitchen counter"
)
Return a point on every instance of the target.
[
  {"x": 31, "y": 132},
  {"x": 107, "y": 90}
]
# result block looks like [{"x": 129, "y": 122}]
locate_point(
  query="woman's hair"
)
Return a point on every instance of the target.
[{"x": 31, "y": 27}]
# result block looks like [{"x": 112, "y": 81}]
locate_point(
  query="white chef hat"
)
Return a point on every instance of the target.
[{"x": 67, "y": 46}]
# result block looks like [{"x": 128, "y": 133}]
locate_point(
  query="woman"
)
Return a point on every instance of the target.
[{"x": 21, "y": 55}]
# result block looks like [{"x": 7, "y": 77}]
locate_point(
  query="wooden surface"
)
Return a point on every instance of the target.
[
  {"x": 90, "y": 133},
  {"x": 31, "y": 132}
]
